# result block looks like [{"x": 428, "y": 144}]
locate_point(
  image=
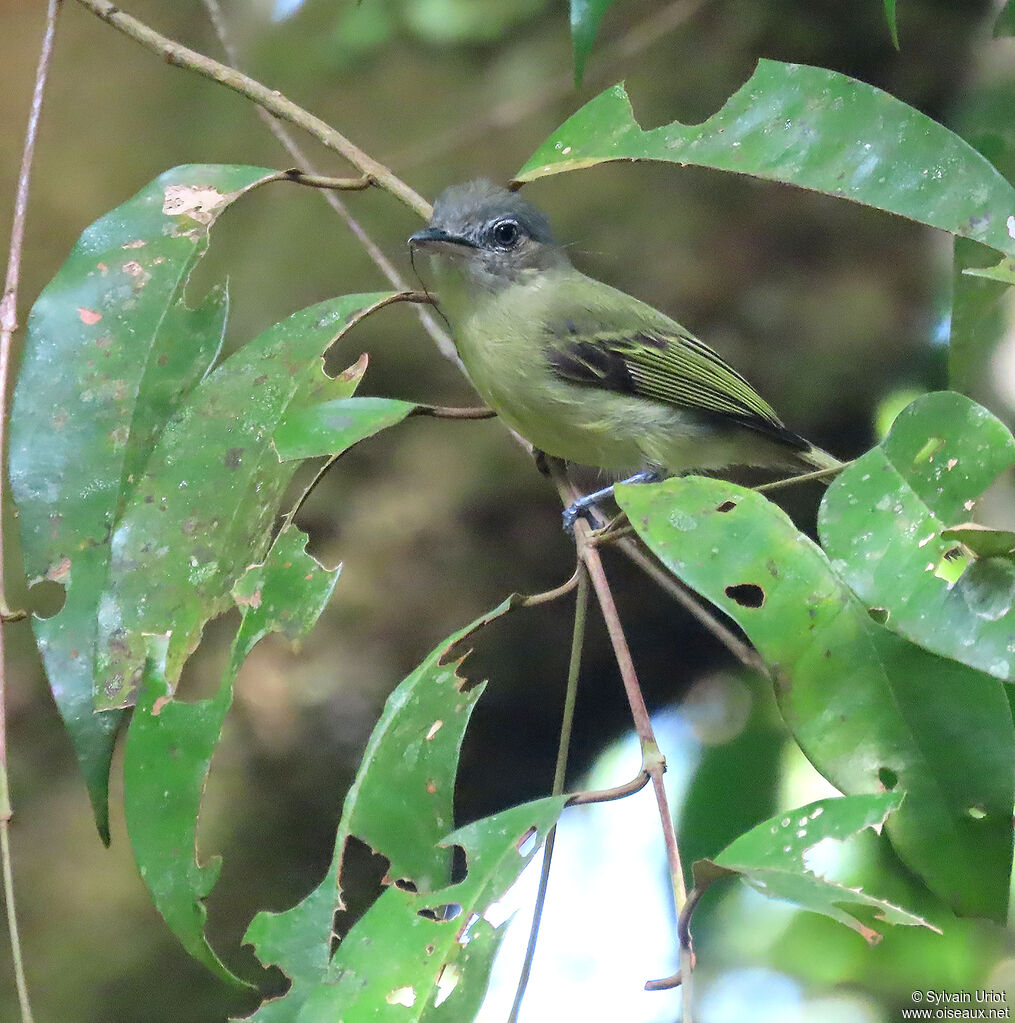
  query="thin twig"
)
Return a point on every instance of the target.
[
  {"x": 652, "y": 759},
  {"x": 550, "y": 595},
  {"x": 8, "y": 325},
  {"x": 629, "y": 788},
  {"x": 581, "y": 607},
  {"x": 270, "y": 99},
  {"x": 308, "y": 175}
]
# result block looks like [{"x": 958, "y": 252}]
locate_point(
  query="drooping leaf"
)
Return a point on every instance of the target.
[
  {"x": 204, "y": 508},
  {"x": 400, "y": 805},
  {"x": 813, "y": 128},
  {"x": 586, "y": 17},
  {"x": 883, "y": 521},
  {"x": 893, "y": 25},
  {"x": 773, "y": 858},
  {"x": 979, "y": 320},
  {"x": 111, "y": 348},
  {"x": 334, "y": 426},
  {"x": 170, "y": 743},
  {"x": 869, "y": 709}
]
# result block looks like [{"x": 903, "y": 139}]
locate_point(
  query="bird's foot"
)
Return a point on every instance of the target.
[{"x": 583, "y": 506}]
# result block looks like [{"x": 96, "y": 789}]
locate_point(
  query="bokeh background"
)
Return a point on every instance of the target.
[{"x": 832, "y": 310}]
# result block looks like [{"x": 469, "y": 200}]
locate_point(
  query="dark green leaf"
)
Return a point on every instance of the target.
[
  {"x": 882, "y": 523},
  {"x": 170, "y": 743},
  {"x": 333, "y": 426},
  {"x": 870, "y": 710},
  {"x": 893, "y": 26},
  {"x": 400, "y": 805},
  {"x": 586, "y": 16},
  {"x": 110, "y": 350},
  {"x": 773, "y": 859},
  {"x": 813, "y": 128},
  {"x": 204, "y": 508}
]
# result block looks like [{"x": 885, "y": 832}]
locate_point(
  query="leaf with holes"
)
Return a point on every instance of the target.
[
  {"x": 110, "y": 351},
  {"x": 205, "y": 506},
  {"x": 429, "y": 938},
  {"x": 170, "y": 743},
  {"x": 332, "y": 427},
  {"x": 777, "y": 858},
  {"x": 400, "y": 805},
  {"x": 884, "y": 521},
  {"x": 813, "y": 128},
  {"x": 869, "y": 709}
]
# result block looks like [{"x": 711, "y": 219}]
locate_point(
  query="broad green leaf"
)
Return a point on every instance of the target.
[
  {"x": 813, "y": 128},
  {"x": 869, "y": 710},
  {"x": 111, "y": 348},
  {"x": 586, "y": 16},
  {"x": 882, "y": 523},
  {"x": 388, "y": 966},
  {"x": 979, "y": 320},
  {"x": 400, "y": 804},
  {"x": 204, "y": 508},
  {"x": 893, "y": 25},
  {"x": 333, "y": 426},
  {"x": 170, "y": 743},
  {"x": 773, "y": 858}
]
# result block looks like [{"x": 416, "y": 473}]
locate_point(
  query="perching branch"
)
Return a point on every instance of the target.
[
  {"x": 8, "y": 325},
  {"x": 653, "y": 761},
  {"x": 270, "y": 99}
]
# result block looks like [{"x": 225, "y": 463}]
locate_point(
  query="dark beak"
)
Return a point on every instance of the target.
[{"x": 438, "y": 236}]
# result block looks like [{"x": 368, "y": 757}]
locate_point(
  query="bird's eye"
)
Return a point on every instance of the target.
[{"x": 506, "y": 233}]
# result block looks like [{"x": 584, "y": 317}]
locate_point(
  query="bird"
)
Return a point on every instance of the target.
[{"x": 583, "y": 371}]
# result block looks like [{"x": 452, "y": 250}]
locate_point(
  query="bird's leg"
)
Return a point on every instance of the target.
[{"x": 583, "y": 504}]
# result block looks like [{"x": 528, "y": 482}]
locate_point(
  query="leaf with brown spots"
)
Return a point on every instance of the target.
[{"x": 111, "y": 349}]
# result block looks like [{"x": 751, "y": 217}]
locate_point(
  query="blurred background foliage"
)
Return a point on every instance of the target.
[{"x": 830, "y": 309}]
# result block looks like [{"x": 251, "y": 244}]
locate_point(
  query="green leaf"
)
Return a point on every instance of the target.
[
  {"x": 1005, "y": 24},
  {"x": 882, "y": 523},
  {"x": 400, "y": 983},
  {"x": 205, "y": 506},
  {"x": 982, "y": 541},
  {"x": 586, "y": 16},
  {"x": 893, "y": 26},
  {"x": 869, "y": 710},
  {"x": 1003, "y": 272},
  {"x": 170, "y": 743},
  {"x": 111, "y": 349},
  {"x": 334, "y": 426},
  {"x": 978, "y": 317},
  {"x": 400, "y": 804},
  {"x": 773, "y": 858},
  {"x": 813, "y": 128}
]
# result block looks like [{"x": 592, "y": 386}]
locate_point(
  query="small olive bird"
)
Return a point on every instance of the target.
[{"x": 583, "y": 371}]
